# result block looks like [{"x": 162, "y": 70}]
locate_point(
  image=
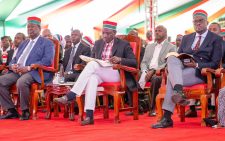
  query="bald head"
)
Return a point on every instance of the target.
[
  {"x": 160, "y": 33},
  {"x": 46, "y": 33}
]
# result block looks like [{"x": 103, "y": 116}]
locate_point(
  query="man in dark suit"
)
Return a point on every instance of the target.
[
  {"x": 109, "y": 48},
  {"x": 206, "y": 49},
  {"x": 35, "y": 50},
  {"x": 71, "y": 56}
]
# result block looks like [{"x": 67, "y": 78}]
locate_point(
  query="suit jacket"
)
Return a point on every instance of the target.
[
  {"x": 42, "y": 53},
  {"x": 149, "y": 51},
  {"x": 223, "y": 59},
  {"x": 10, "y": 55},
  {"x": 208, "y": 55},
  {"x": 81, "y": 50},
  {"x": 121, "y": 49}
]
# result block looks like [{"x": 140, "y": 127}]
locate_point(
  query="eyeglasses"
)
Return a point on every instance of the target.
[{"x": 198, "y": 21}]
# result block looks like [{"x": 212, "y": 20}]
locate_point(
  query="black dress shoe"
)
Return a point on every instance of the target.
[
  {"x": 210, "y": 122},
  {"x": 87, "y": 121},
  {"x": 25, "y": 115},
  {"x": 180, "y": 98},
  {"x": 163, "y": 123},
  {"x": 190, "y": 113},
  {"x": 10, "y": 115}
]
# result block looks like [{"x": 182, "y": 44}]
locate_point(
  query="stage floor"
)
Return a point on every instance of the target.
[{"x": 62, "y": 129}]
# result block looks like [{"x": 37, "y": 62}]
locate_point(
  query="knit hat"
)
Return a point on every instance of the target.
[
  {"x": 109, "y": 25},
  {"x": 87, "y": 40},
  {"x": 222, "y": 32},
  {"x": 200, "y": 13},
  {"x": 34, "y": 20}
]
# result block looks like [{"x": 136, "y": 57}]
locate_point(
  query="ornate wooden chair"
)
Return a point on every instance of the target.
[
  {"x": 36, "y": 88},
  {"x": 199, "y": 91},
  {"x": 117, "y": 88}
]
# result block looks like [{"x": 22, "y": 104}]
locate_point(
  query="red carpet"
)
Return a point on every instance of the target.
[{"x": 128, "y": 130}]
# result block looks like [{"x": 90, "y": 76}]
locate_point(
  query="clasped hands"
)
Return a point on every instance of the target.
[
  {"x": 115, "y": 60},
  {"x": 19, "y": 69}
]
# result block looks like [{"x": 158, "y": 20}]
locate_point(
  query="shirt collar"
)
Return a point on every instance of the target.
[
  {"x": 160, "y": 43},
  {"x": 202, "y": 35},
  {"x": 35, "y": 40},
  {"x": 110, "y": 43},
  {"x": 75, "y": 46}
]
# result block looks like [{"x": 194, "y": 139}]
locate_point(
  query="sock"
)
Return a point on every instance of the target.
[
  {"x": 167, "y": 114},
  {"x": 178, "y": 87},
  {"x": 192, "y": 108},
  {"x": 89, "y": 113},
  {"x": 12, "y": 110},
  {"x": 71, "y": 95}
]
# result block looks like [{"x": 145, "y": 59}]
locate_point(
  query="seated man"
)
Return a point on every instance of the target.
[
  {"x": 206, "y": 49},
  {"x": 154, "y": 58},
  {"x": 35, "y": 50},
  {"x": 72, "y": 54},
  {"x": 109, "y": 48}
]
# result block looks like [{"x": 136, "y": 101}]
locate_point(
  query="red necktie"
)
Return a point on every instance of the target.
[{"x": 197, "y": 44}]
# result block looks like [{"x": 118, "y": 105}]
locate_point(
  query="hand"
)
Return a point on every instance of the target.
[
  {"x": 14, "y": 68},
  {"x": 22, "y": 69},
  {"x": 191, "y": 64},
  {"x": 115, "y": 60},
  {"x": 149, "y": 75}
]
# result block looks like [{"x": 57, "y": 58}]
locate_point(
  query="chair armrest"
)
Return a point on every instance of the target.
[
  {"x": 159, "y": 72},
  {"x": 125, "y": 68},
  {"x": 40, "y": 69},
  {"x": 208, "y": 73},
  {"x": 79, "y": 67},
  {"x": 219, "y": 72},
  {"x": 207, "y": 70}
]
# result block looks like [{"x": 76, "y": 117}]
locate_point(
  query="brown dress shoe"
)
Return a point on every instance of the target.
[
  {"x": 61, "y": 100},
  {"x": 190, "y": 113},
  {"x": 87, "y": 121}
]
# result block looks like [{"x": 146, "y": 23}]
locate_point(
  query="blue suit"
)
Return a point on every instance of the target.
[
  {"x": 42, "y": 53},
  {"x": 208, "y": 55}
]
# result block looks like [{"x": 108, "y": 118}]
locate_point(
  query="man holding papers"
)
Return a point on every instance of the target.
[
  {"x": 206, "y": 48},
  {"x": 109, "y": 48}
]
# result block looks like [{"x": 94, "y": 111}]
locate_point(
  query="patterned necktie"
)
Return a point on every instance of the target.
[
  {"x": 24, "y": 55},
  {"x": 70, "y": 62},
  {"x": 197, "y": 44}
]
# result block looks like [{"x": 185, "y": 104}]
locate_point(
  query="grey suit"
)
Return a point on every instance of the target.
[
  {"x": 207, "y": 56},
  {"x": 156, "y": 80}
]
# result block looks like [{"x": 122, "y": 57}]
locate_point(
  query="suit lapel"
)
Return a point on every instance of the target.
[
  {"x": 164, "y": 46},
  {"x": 205, "y": 42},
  {"x": 114, "y": 48},
  {"x": 77, "y": 52},
  {"x": 99, "y": 55},
  {"x": 191, "y": 41}
]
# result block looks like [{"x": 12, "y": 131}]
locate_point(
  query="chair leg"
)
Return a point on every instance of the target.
[
  {"x": 56, "y": 107},
  {"x": 71, "y": 112},
  {"x": 159, "y": 101},
  {"x": 80, "y": 107},
  {"x": 116, "y": 97},
  {"x": 48, "y": 105},
  {"x": 35, "y": 103},
  {"x": 106, "y": 106},
  {"x": 204, "y": 105},
  {"x": 182, "y": 113},
  {"x": 135, "y": 105}
]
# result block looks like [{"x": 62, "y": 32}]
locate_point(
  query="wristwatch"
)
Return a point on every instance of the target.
[{"x": 28, "y": 68}]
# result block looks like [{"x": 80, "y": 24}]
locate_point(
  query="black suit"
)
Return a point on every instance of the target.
[
  {"x": 81, "y": 50},
  {"x": 223, "y": 59},
  {"x": 121, "y": 49}
]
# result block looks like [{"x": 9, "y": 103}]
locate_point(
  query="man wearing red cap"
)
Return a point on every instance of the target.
[
  {"x": 109, "y": 48},
  {"x": 35, "y": 50},
  {"x": 206, "y": 49}
]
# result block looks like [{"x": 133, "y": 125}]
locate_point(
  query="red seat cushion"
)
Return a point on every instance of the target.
[
  {"x": 104, "y": 84},
  {"x": 148, "y": 84},
  {"x": 197, "y": 86}
]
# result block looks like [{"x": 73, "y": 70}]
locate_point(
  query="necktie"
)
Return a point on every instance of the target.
[
  {"x": 70, "y": 62},
  {"x": 197, "y": 44},
  {"x": 24, "y": 55}
]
